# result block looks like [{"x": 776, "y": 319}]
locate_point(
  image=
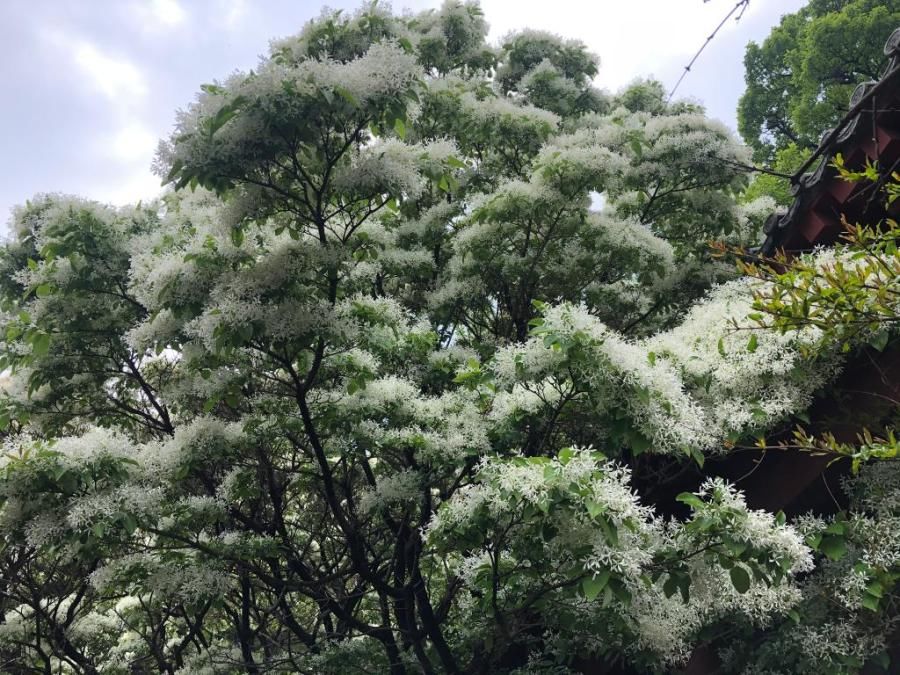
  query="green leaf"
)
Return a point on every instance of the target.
[
  {"x": 876, "y": 589},
  {"x": 670, "y": 586},
  {"x": 870, "y": 602},
  {"x": 347, "y": 96},
  {"x": 400, "y": 128},
  {"x": 639, "y": 443},
  {"x": 68, "y": 482},
  {"x": 740, "y": 579},
  {"x": 834, "y": 547},
  {"x": 621, "y": 592},
  {"x": 690, "y": 499},
  {"x": 636, "y": 147},
  {"x": 225, "y": 113},
  {"x": 128, "y": 522},
  {"x": 177, "y": 166},
  {"x": 212, "y": 89},
  {"x": 837, "y": 527},
  {"x": 698, "y": 457},
  {"x": 721, "y": 346},
  {"x": 43, "y": 290},
  {"x": 594, "y": 509},
  {"x": 879, "y": 340},
  {"x": 40, "y": 344},
  {"x": 609, "y": 530},
  {"x": 593, "y": 586},
  {"x": 456, "y": 163},
  {"x": 752, "y": 343}
]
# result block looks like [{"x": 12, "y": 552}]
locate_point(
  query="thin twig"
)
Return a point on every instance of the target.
[
  {"x": 756, "y": 464},
  {"x": 830, "y": 493},
  {"x": 749, "y": 168}
]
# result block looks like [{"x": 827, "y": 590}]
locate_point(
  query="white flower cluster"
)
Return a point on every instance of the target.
[
  {"x": 668, "y": 626},
  {"x": 203, "y": 440},
  {"x": 185, "y": 578},
  {"x": 742, "y": 375},
  {"x": 133, "y": 499},
  {"x": 616, "y": 372},
  {"x": 579, "y": 159},
  {"x": 96, "y": 442},
  {"x": 506, "y": 487},
  {"x": 388, "y": 166},
  {"x": 837, "y": 629},
  {"x": 715, "y": 375},
  {"x": 399, "y": 487},
  {"x": 493, "y": 111},
  {"x": 391, "y": 412},
  {"x": 281, "y": 91},
  {"x": 507, "y": 491}
]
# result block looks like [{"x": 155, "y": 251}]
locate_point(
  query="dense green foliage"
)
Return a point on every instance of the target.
[{"x": 800, "y": 78}]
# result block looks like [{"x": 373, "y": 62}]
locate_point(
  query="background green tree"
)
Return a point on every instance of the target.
[{"x": 800, "y": 78}]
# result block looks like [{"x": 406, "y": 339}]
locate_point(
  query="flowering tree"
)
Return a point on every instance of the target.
[{"x": 390, "y": 382}]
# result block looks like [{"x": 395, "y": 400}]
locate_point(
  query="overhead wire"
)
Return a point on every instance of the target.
[{"x": 742, "y": 6}]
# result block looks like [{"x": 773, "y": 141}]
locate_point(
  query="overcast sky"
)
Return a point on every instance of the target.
[{"x": 91, "y": 85}]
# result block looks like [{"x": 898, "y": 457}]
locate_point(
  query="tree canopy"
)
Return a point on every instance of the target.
[
  {"x": 399, "y": 377},
  {"x": 800, "y": 78}
]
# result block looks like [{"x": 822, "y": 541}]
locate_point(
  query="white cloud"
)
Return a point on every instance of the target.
[
  {"x": 157, "y": 18},
  {"x": 233, "y": 11},
  {"x": 115, "y": 77},
  {"x": 132, "y": 143},
  {"x": 125, "y": 155},
  {"x": 126, "y": 146},
  {"x": 128, "y": 188},
  {"x": 167, "y": 12}
]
